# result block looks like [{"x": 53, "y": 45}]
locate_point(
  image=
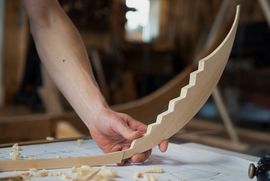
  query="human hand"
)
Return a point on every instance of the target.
[{"x": 115, "y": 131}]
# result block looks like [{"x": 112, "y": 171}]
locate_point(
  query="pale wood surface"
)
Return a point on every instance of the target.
[
  {"x": 216, "y": 33},
  {"x": 192, "y": 97},
  {"x": 180, "y": 112}
]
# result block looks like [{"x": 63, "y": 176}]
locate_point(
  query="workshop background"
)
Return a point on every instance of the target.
[{"x": 142, "y": 52}]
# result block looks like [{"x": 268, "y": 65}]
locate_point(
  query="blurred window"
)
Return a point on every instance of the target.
[{"x": 142, "y": 20}]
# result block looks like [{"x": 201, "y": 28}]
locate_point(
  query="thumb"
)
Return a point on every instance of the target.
[{"x": 124, "y": 130}]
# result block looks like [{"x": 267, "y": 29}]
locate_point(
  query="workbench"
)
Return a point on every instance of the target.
[{"x": 187, "y": 161}]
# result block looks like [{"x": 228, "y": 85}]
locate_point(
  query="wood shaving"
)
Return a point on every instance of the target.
[
  {"x": 25, "y": 176},
  {"x": 107, "y": 172},
  {"x": 86, "y": 167},
  {"x": 150, "y": 178},
  {"x": 16, "y": 147},
  {"x": 33, "y": 172},
  {"x": 90, "y": 173},
  {"x": 49, "y": 138},
  {"x": 43, "y": 173},
  {"x": 138, "y": 175},
  {"x": 84, "y": 170},
  {"x": 80, "y": 141},
  {"x": 155, "y": 170},
  {"x": 65, "y": 176},
  {"x": 15, "y": 153},
  {"x": 73, "y": 169}
]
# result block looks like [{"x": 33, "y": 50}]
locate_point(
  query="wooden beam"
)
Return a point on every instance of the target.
[{"x": 15, "y": 44}]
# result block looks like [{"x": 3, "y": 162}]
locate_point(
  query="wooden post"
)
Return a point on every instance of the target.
[
  {"x": 266, "y": 10},
  {"x": 2, "y": 13},
  {"x": 225, "y": 116},
  {"x": 15, "y": 44}
]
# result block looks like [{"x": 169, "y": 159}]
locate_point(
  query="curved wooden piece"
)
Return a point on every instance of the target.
[
  {"x": 192, "y": 97},
  {"x": 180, "y": 112}
]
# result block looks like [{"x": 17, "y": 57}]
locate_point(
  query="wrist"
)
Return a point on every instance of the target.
[{"x": 95, "y": 111}]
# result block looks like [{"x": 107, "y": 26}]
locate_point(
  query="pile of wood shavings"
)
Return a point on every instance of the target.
[
  {"x": 15, "y": 153},
  {"x": 33, "y": 172},
  {"x": 86, "y": 173},
  {"x": 82, "y": 173},
  {"x": 96, "y": 174}
]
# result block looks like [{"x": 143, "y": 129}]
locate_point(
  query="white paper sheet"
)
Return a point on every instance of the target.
[{"x": 180, "y": 162}]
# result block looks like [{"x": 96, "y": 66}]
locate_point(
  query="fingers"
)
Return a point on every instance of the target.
[
  {"x": 125, "y": 131},
  {"x": 137, "y": 158},
  {"x": 141, "y": 157},
  {"x": 136, "y": 125},
  {"x": 163, "y": 146},
  {"x": 129, "y": 128}
]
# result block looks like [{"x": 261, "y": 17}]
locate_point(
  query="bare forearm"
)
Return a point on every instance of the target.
[{"x": 63, "y": 54}]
